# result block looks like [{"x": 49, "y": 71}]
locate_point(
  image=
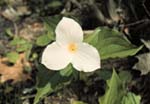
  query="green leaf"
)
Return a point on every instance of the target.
[
  {"x": 55, "y": 4},
  {"x": 12, "y": 56},
  {"x": 77, "y": 102},
  {"x": 52, "y": 21},
  {"x": 131, "y": 98},
  {"x": 24, "y": 47},
  {"x": 18, "y": 41},
  {"x": 117, "y": 92},
  {"x": 92, "y": 38},
  {"x": 21, "y": 44},
  {"x": 34, "y": 56},
  {"x": 9, "y": 32},
  {"x": 114, "y": 89},
  {"x": 104, "y": 74},
  {"x": 112, "y": 44},
  {"x": 50, "y": 25},
  {"x": 43, "y": 40},
  {"x": 67, "y": 71},
  {"x": 114, "y": 51},
  {"x": 125, "y": 77},
  {"x": 49, "y": 81}
]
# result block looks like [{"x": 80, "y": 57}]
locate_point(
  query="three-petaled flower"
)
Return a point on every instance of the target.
[{"x": 70, "y": 48}]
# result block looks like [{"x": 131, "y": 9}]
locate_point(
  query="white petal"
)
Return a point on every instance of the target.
[
  {"x": 68, "y": 31},
  {"x": 86, "y": 59},
  {"x": 55, "y": 57}
]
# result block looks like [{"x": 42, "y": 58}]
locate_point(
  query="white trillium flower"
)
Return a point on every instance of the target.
[{"x": 70, "y": 48}]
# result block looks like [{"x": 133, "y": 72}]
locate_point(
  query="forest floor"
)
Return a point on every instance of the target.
[{"x": 23, "y": 19}]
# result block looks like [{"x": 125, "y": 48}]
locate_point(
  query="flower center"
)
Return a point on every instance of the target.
[{"x": 72, "y": 47}]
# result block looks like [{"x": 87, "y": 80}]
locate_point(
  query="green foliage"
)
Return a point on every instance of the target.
[
  {"x": 17, "y": 41},
  {"x": 21, "y": 44},
  {"x": 50, "y": 25},
  {"x": 54, "y": 4},
  {"x": 49, "y": 81},
  {"x": 2, "y": 2},
  {"x": 131, "y": 98},
  {"x": 104, "y": 74},
  {"x": 92, "y": 38},
  {"x": 77, "y": 102},
  {"x": 114, "y": 89},
  {"x": 34, "y": 56},
  {"x": 12, "y": 56},
  {"x": 116, "y": 92},
  {"x": 9, "y": 32},
  {"x": 43, "y": 40},
  {"x": 111, "y": 43},
  {"x": 125, "y": 77}
]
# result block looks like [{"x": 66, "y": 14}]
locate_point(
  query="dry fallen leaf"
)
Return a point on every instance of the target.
[
  {"x": 15, "y": 72},
  {"x": 143, "y": 64},
  {"x": 30, "y": 31},
  {"x": 15, "y": 9},
  {"x": 146, "y": 43}
]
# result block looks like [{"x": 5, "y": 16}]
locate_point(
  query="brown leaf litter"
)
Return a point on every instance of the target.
[{"x": 15, "y": 72}]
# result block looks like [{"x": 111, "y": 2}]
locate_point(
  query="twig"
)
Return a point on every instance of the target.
[
  {"x": 88, "y": 31},
  {"x": 98, "y": 12},
  {"x": 16, "y": 28},
  {"x": 146, "y": 10},
  {"x": 27, "y": 97},
  {"x": 76, "y": 3},
  {"x": 122, "y": 25},
  {"x": 134, "y": 23}
]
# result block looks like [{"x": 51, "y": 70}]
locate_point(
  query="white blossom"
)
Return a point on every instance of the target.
[{"x": 70, "y": 48}]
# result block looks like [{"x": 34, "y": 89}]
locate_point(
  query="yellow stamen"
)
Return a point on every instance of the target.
[{"x": 72, "y": 47}]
